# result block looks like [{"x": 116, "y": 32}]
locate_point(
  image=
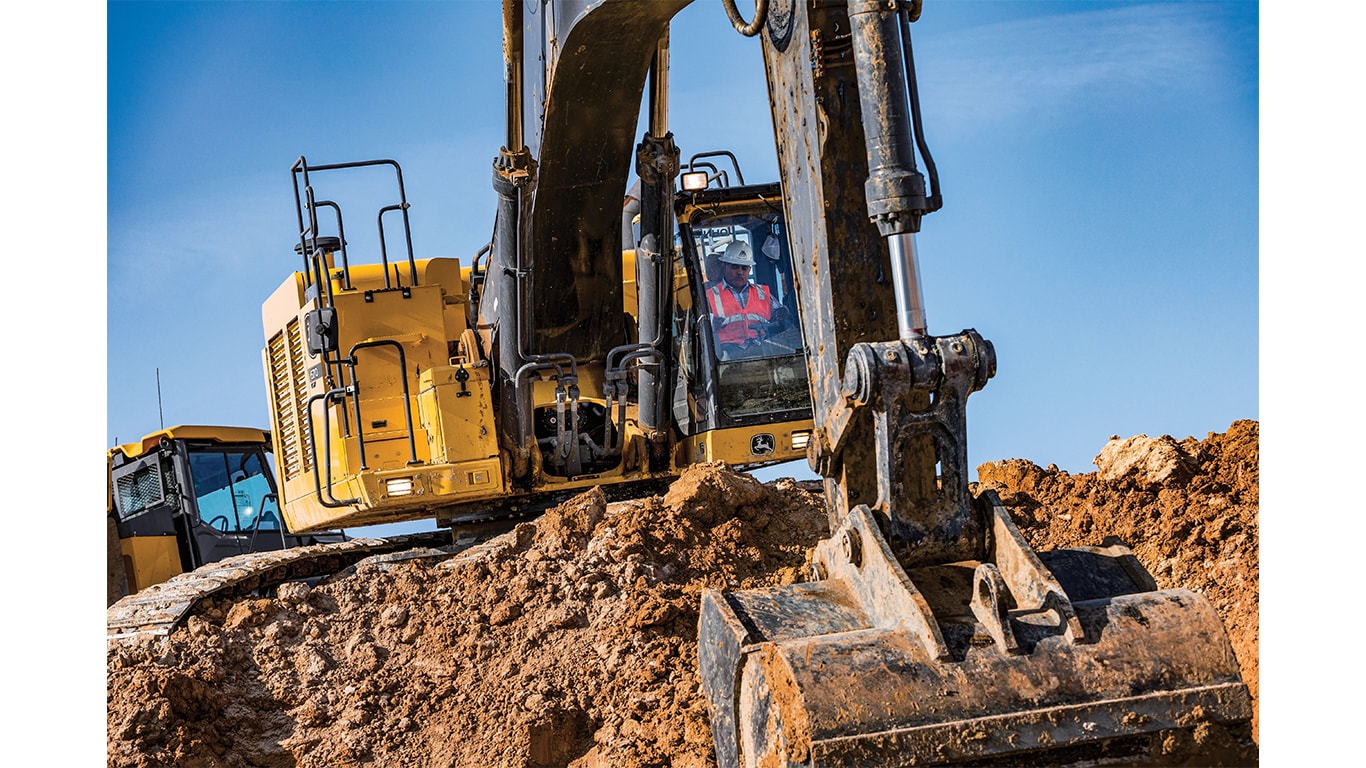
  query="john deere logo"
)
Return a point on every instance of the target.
[{"x": 761, "y": 444}]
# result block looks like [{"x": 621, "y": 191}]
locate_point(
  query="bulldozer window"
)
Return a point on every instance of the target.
[{"x": 230, "y": 487}]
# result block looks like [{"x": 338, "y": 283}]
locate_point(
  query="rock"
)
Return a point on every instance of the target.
[
  {"x": 1145, "y": 462},
  {"x": 394, "y": 615}
]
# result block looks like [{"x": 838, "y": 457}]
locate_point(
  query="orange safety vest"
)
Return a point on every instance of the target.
[{"x": 735, "y": 324}]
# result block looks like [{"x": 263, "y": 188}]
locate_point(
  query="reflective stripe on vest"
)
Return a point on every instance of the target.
[{"x": 735, "y": 324}]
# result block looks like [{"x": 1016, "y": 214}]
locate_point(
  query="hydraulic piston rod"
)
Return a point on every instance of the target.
[{"x": 910, "y": 297}]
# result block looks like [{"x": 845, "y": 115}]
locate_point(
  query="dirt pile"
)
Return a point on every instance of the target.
[
  {"x": 1188, "y": 510},
  {"x": 571, "y": 641}
]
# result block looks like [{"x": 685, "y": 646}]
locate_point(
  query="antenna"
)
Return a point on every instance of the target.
[{"x": 160, "y": 415}]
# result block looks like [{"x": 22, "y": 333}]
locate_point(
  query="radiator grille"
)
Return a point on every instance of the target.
[
  {"x": 289, "y": 387},
  {"x": 140, "y": 489}
]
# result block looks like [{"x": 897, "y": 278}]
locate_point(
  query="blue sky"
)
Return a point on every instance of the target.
[{"x": 1100, "y": 164}]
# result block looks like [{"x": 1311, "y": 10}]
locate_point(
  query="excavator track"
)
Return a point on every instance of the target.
[{"x": 159, "y": 609}]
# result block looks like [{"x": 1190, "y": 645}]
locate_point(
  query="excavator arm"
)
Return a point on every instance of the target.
[
  {"x": 848, "y": 129},
  {"x": 930, "y": 633}
]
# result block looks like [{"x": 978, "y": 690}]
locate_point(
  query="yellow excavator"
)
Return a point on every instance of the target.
[{"x": 567, "y": 355}]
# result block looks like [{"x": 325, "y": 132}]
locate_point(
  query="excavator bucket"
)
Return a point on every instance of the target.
[{"x": 1071, "y": 657}]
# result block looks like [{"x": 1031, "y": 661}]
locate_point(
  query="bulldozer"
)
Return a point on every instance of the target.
[
  {"x": 188, "y": 496},
  {"x": 569, "y": 355}
]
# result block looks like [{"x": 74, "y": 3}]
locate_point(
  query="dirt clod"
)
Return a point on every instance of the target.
[{"x": 571, "y": 640}]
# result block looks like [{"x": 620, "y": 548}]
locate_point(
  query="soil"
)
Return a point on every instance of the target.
[{"x": 571, "y": 640}]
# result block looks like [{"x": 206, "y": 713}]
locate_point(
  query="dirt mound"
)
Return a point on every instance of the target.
[
  {"x": 1188, "y": 510},
  {"x": 571, "y": 641}
]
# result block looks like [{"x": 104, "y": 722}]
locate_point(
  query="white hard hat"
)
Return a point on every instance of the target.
[{"x": 738, "y": 253}]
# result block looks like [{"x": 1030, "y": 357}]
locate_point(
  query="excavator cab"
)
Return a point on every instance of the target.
[
  {"x": 748, "y": 385},
  {"x": 420, "y": 388}
]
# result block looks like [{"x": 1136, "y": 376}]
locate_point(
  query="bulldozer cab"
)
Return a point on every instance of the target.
[
  {"x": 233, "y": 489},
  {"x": 190, "y": 495}
]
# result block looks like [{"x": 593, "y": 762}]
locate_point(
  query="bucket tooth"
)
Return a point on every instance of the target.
[{"x": 970, "y": 662}]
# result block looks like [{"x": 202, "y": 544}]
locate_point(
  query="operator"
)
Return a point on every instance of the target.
[{"x": 744, "y": 313}]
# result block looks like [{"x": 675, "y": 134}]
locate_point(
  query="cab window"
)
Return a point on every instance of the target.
[
  {"x": 757, "y": 339},
  {"x": 231, "y": 488}
]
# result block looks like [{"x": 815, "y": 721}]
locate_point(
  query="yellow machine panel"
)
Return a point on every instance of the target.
[
  {"x": 743, "y": 447},
  {"x": 455, "y": 410},
  {"x": 149, "y": 560}
]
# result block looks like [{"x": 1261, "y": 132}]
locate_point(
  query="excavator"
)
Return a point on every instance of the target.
[{"x": 569, "y": 355}]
